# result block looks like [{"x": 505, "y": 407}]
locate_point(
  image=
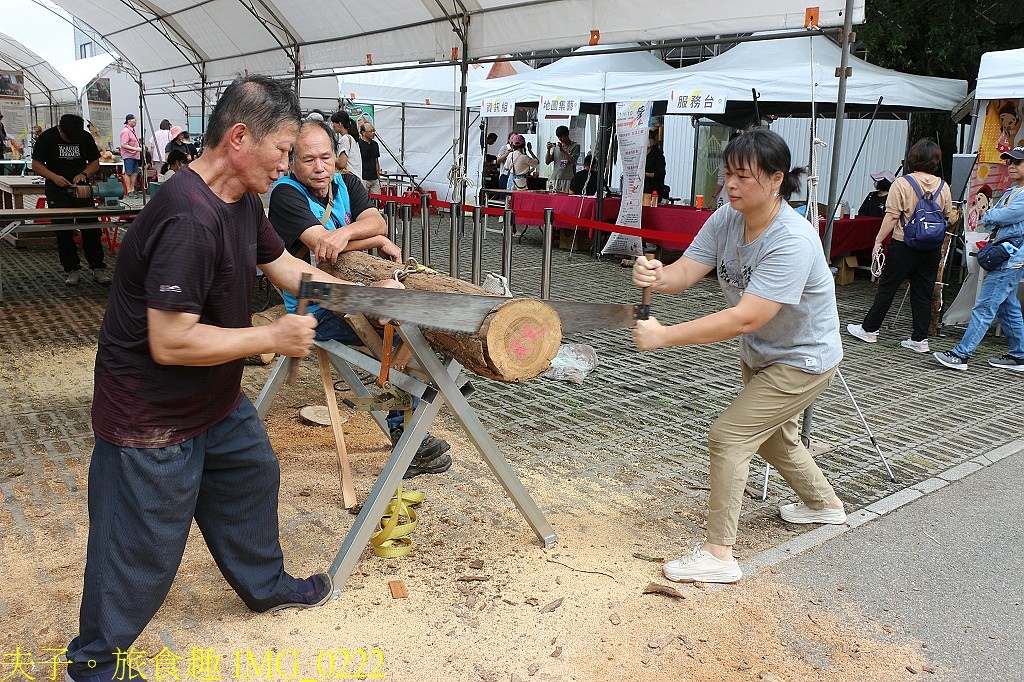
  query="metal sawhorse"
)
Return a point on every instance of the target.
[{"x": 434, "y": 382}]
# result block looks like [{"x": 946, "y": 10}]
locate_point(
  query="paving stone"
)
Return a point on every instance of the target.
[
  {"x": 636, "y": 428},
  {"x": 894, "y": 501}
]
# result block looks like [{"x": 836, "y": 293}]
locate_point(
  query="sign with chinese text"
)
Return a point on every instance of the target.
[
  {"x": 696, "y": 102},
  {"x": 497, "y": 107},
  {"x": 632, "y": 124},
  {"x": 558, "y": 106}
]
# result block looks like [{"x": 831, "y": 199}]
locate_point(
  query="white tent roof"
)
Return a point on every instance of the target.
[
  {"x": 781, "y": 71},
  {"x": 436, "y": 85},
  {"x": 999, "y": 76},
  {"x": 580, "y": 76},
  {"x": 187, "y": 41},
  {"x": 44, "y": 84},
  {"x": 81, "y": 72}
]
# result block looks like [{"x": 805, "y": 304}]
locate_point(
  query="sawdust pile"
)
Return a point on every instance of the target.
[{"x": 485, "y": 601}]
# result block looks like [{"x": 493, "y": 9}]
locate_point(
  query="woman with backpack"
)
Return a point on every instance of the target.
[
  {"x": 910, "y": 197},
  {"x": 998, "y": 294}
]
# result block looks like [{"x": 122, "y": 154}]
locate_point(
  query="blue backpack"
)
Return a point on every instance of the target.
[{"x": 926, "y": 228}]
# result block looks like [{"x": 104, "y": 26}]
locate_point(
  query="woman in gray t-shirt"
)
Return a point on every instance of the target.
[{"x": 782, "y": 307}]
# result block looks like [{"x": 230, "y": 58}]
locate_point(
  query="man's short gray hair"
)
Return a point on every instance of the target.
[{"x": 322, "y": 125}]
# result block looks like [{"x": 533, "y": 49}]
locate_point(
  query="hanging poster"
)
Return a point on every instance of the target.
[
  {"x": 359, "y": 113},
  {"x": 100, "y": 124},
  {"x": 1001, "y": 132},
  {"x": 12, "y": 106},
  {"x": 632, "y": 124}
]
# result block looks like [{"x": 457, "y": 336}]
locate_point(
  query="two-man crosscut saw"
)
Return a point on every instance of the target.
[{"x": 460, "y": 312}]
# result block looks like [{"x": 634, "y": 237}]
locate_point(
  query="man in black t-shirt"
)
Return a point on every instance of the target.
[
  {"x": 585, "y": 181},
  {"x": 369, "y": 151},
  {"x": 66, "y": 156},
  {"x": 298, "y": 211},
  {"x": 176, "y": 439}
]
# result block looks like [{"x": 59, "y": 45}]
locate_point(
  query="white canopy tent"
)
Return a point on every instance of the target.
[
  {"x": 416, "y": 115},
  {"x": 174, "y": 42},
  {"x": 999, "y": 76},
  {"x": 47, "y": 92},
  {"x": 198, "y": 45},
  {"x": 416, "y": 84},
  {"x": 789, "y": 74},
  {"x": 583, "y": 76}
]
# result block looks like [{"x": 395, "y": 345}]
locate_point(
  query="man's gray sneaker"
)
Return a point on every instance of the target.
[
  {"x": 73, "y": 278},
  {"x": 102, "y": 275},
  {"x": 1008, "y": 362},
  {"x": 947, "y": 359}
]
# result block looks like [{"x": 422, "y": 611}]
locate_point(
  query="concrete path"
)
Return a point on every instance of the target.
[{"x": 944, "y": 569}]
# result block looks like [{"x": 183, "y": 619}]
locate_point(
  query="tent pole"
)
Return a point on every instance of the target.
[
  {"x": 461, "y": 158},
  {"x": 143, "y": 168},
  {"x": 603, "y": 142},
  {"x": 837, "y": 140}
]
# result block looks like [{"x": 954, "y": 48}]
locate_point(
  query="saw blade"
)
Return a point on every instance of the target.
[
  {"x": 582, "y": 316},
  {"x": 432, "y": 309}
]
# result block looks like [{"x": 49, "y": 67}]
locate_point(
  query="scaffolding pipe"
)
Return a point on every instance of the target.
[{"x": 545, "y": 256}]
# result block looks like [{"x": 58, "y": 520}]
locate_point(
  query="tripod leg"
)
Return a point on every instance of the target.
[
  {"x": 874, "y": 441},
  {"x": 892, "y": 325}
]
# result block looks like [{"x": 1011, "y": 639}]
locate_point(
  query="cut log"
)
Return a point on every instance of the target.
[
  {"x": 258, "y": 320},
  {"x": 356, "y": 266},
  {"x": 516, "y": 342}
]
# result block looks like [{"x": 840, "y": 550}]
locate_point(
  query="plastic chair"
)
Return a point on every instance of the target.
[
  {"x": 389, "y": 190},
  {"x": 41, "y": 203}
]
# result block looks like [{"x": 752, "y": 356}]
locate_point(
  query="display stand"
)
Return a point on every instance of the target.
[{"x": 435, "y": 383}]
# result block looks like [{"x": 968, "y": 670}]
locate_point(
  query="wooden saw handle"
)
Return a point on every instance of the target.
[
  {"x": 300, "y": 309},
  {"x": 646, "y": 294}
]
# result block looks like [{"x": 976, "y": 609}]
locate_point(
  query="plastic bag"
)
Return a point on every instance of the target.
[
  {"x": 497, "y": 284},
  {"x": 573, "y": 363}
]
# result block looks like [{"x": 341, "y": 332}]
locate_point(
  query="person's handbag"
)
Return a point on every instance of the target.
[{"x": 993, "y": 255}]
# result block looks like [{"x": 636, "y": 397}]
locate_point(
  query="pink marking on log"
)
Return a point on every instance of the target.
[{"x": 525, "y": 341}]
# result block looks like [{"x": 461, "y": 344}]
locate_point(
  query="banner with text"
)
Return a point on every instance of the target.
[
  {"x": 12, "y": 106},
  {"x": 632, "y": 124},
  {"x": 696, "y": 102},
  {"x": 558, "y": 105},
  {"x": 100, "y": 124}
]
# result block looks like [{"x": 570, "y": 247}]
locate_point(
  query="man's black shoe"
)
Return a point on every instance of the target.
[
  {"x": 434, "y": 465},
  {"x": 430, "y": 448},
  {"x": 313, "y": 591}
]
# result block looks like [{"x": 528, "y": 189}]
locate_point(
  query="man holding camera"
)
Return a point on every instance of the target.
[
  {"x": 67, "y": 156},
  {"x": 563, "y": 155}
]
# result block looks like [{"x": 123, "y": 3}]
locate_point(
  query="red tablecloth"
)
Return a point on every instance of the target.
[
  {"x": 683, "y": 222},
  {"x": 852, "y": 234},
  {"x": 566, "y": 207}
]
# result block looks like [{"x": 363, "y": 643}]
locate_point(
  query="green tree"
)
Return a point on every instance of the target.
[{"x": 943, "y": 38}]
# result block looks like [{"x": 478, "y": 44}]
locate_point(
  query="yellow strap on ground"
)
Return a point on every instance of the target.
[{"x": 391, "y": 539}]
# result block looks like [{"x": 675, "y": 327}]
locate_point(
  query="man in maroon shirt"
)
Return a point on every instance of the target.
[{"x": 176, "y": 439}]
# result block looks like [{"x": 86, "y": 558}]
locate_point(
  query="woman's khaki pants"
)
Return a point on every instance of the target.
[{"x": 763, "y": 420}]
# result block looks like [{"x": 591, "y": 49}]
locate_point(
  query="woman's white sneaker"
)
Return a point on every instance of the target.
[
  {"x": 858, "y": 331},
  {"x": 798, "y": 512},
  {"x": 701, "y": 566},
  {"x": 916, "y": 346}
]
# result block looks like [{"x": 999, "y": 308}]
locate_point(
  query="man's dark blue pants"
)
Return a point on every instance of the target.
[{"x": 141, "y": 506}]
